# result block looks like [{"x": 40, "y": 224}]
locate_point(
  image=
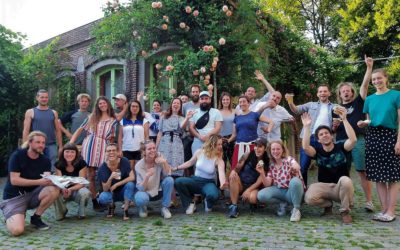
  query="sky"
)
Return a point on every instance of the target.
[{"x": 40, "y": 20}]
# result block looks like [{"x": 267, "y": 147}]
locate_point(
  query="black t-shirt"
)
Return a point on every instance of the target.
[
  {"x": 332, "y": 165},
  {"x": 354, "y": 114},
  {"x": 248, "y": 174},
  {"x": 28, "y": 168},
  {"x": 77, "y": 168},
  {"x": 105, "y": 172}
]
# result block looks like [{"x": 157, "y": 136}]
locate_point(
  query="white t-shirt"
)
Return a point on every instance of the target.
[
  {"x": 215, "y": 116},
  {"x": 131, "y": 141},
  {"x": 322, "y": 118}
]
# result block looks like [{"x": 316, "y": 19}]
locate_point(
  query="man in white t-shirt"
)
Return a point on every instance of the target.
[
  {"x": 321, "y": 114},
  {"x": 205, "y": 122}
]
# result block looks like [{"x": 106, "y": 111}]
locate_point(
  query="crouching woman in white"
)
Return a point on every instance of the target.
[
  {"x": 203, "y": 181},
  {"x": 71, "y": 164},
  {"x": 283, "y": 181},
  {"x": 149, "y": 180}
]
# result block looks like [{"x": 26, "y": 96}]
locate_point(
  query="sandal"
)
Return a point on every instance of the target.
[
  {"x": 377, "y": 216},
  {"x": 126, "y": 215},
  {"x": 111, "y": 209},
  {"x": 386, "y": 218}
]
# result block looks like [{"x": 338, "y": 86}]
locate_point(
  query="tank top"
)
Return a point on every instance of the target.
[
  {"x": 43, "y": 120},
  {"x": 205, "y": 167}
]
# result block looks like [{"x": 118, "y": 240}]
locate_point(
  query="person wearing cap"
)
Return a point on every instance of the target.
[
  {"x": 121, "y": 106},
  {"x": 245, "y": 178},
  {"x": 205, "y": 122}
]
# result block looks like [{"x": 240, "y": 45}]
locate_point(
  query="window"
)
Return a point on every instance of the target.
[{"x": 110, "y": 82}]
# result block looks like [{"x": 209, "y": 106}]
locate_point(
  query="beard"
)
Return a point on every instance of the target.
[
  {"x": 195, "y": 98},
  {"x": 205, "y": 106}
]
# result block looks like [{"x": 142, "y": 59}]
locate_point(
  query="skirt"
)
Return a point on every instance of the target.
[{"x": 382, "y": 165}]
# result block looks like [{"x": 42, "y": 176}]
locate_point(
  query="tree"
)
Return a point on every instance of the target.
[{"x": 227, "y": 38}]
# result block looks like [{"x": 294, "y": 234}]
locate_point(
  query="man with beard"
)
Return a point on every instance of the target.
[
  {"x": 44, "y": 119},
  {"x": 25, "y": 188},
  {"x": 205, "y": 122},
  {"x": 333, "y": 183},
  {"x": 321, "y": 114},
  {"x": 346, "y": 95}
]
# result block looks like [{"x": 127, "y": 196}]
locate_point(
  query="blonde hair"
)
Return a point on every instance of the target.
[
  {"x": 31, "y": 136},
  {"x": 383, "y": 72},
  {"x": 340, "y": 85},
  {"x": 210, "y": 147},
  {"x": 83, "y": 95},
  {"x": 285, "y": 151}
]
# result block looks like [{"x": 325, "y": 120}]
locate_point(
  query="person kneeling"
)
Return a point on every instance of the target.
[
  {"x": 71, "y": 164},
  {"x": 148, "y": 172},
  {"x": 283, "y": 181},
  {"x": 334, "y": 183},
  {"x": 244, "y": 179},
  {"x": 203, "y": 181},
  {"x": 117, "y": 179}
]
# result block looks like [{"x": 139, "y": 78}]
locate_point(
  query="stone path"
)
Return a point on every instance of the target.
[{"x": 261, "y": 230}]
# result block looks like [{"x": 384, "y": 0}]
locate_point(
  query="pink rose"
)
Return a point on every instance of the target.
[
  {"x": 182, "y": 25},
  {"x": 158, "y": 66},
  {"x": 229, "y": 13},
  {"x": 188, "y": 9},
  {"x": 206, "y": 48},
  {"x": 195, "y": 13},
  {"x": 225, "y": 8},
  {"x": 206, "y": 82},
  {"x": 172, "y": 91},
  {"x": 170, "y": 58},
  {"x": 214, "y": 64},
  {"x": 195, "y": 72},
  {"x": 164, "y": 26},
  {"x": 154, "y": 5},
  {"x": 144, "y": 53},
  {"x": 221, "y": 41},
  {"x": 166, "y": 18},
  {"x": 169, "y": 68},
  {"x": 154, "y": 45},
  {"x": 203, "y": 70},
  {"x": 159, "y": 4}
]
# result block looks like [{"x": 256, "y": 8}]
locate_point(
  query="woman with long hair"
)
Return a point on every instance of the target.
[
  {"x": 228, "y": 114},
  {"x": 382, "y": 143},
  {"x": 203, "y": 181},
  {"x": 135, "y": 130},
  {"x": 283, "y": 181},
  {"x": 70, "y": 163},
  {"x": 100, "y": 128},
  {"x": 156, "y": 115}
]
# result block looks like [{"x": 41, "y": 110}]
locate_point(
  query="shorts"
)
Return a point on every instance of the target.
[
  {"x": 132, "y": 155},
  {"x": 19, "y": 204},
  {"x": 358, "y": 153}
]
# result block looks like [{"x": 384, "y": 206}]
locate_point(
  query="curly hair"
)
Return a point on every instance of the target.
[{"x": 210, "y": 147}]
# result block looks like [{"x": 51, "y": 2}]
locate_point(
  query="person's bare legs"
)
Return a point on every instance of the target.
[
  {"x": 366, "y": 186},
  {"x": 47, "y": 197},
  {"x": 92, "y": 183},
  {"x": 253, "y": 197},
  {"x": 235, "y": 187},
  {"x": 393, "y": 190},
  {"x": 16, "y": 224},
  {"x": 382, "y": 189}
]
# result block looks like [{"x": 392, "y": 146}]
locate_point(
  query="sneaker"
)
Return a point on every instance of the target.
[
  {"x": 369, "y": 206},
  {"x": 296, "y": 215},
  {"x": 142, "y": 211},
  {"x": 377, "y": 216},
  {"x": 386, "y": 218},
  {"x": 38, "y": 223},
  {"x": 281, "y": 209},
  {"x": 346, "y": 218},
  {"x": 233, "y": 211},
  {"x": 206, "y": 209},
  {"x": 191, "y": 208},
  {"x": 166, "y": 213}
]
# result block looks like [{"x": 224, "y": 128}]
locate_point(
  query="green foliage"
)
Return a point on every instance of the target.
[{"x": 252, "y": 38}]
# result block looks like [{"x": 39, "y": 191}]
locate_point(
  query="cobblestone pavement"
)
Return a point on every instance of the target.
[{"x": 261, "y": 230}]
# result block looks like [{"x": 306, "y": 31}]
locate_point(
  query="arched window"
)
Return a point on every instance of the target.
[{"x": 110, "y": 81}]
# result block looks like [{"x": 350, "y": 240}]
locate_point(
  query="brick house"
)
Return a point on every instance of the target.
[{"x": 110, "y": 76}]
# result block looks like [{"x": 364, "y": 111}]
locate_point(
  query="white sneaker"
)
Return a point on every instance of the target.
[
  {"x": 191, "y": 208},
  {"x": 143, "y": 212},
  {"x": 166, "y": 213},
  {"x": 296, "y": 215},
  {"x": 206, "y": 209},
  {"x": 281, "y": 209},
  {"x": 369, "y": 206}
]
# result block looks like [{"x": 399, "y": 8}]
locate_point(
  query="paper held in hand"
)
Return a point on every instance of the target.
[{"x": 65, "y": 181}]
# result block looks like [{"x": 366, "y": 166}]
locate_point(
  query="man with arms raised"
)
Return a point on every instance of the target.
[{"x": 25, "y": 188}]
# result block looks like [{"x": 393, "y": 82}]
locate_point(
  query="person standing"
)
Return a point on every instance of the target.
[
  {"x": 25, "y": 187},
  {"x": 100, "y": 127},
  {"x": 76, "y": 118},
  {"x": 205, "y": 122},
  {"x": 346, "y": 96},
  {"x": 155, "y": 114},
  {"x": 321, "y": 114},
  {"x": 382, "y": 143},
  {"x": 228, "y": 115},
  {"x": 42, "y": 118}
]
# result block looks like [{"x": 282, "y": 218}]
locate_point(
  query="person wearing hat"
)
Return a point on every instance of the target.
[
  {"x": 205, "y": 122},
  {"x": 120, "y": 106},
  {"x": 245, "y": 178}
]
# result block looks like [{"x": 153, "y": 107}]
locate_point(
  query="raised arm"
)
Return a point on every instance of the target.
[
  {"x": 121, "y": 114},
  {"x": 306, "y": 119},
  {"x": 260, "y": 77},
  {"x": 367, "y": 77},
  {"x": 352, "y": 138}
]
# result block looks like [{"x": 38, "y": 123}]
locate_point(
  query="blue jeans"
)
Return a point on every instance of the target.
[
  {"x": 293, "y": 195},
  {"x": 187, "y": 187},
  {"x": 124, "y": 194},
  {"x": 167, "y": 185},
  {"x": 305, "y": 160},
  {"x": 51, "y": 152}
]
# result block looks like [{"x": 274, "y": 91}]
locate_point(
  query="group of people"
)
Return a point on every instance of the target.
[{"x": 137, "y": 156}]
